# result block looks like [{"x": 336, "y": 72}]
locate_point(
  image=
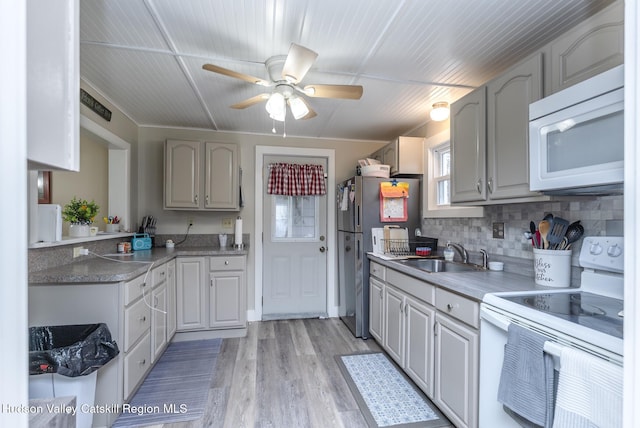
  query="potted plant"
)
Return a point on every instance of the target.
[{"x": 80, "y": 214}]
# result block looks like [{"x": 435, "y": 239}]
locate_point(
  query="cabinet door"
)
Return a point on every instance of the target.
[
  {"x": 419, "y": 322},
  {"x": 191, "y": 293},
  {"x": 182, "y": 174},
  {"x": 468, "y": 147},
  {"x": 226, "y": 300},
  {"x": 394, "y": 325},
  {"x": 221, "y": 176},
  {"x": 158, "y": 321},
  {"x": 590, "y": 48},
  {"x": 508, "y": 99},
  {"x": 390, "y": 156},
  {"x": 456, "y": 371},
  {"x": 171, "y": 300},
  {"x": 376, "y": 309},
  {"x": 53, "y": 84}
]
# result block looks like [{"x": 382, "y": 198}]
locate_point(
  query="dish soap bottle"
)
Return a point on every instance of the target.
[{"x": 448, "y": 253}]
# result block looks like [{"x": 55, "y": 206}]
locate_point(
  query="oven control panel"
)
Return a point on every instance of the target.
[{"x": 603, "y": 253}]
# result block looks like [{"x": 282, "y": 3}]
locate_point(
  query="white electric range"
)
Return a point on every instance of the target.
[{"x": 589, "y": 318}]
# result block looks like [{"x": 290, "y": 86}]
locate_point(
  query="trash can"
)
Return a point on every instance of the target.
[{"x": 63, "y": 361}]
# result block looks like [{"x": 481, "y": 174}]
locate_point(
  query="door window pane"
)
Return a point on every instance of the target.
[{"x": 294, "y": 218}]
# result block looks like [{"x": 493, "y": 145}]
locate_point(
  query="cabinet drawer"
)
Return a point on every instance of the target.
[
  {"x": 377, "y": 270},
  {"x": 137, "y": 320},
  {"x": 136, "y": 364},
  {"x": 461, "y": 308},
  {"x": 133, "y": 289},
  {"x": 416, "y": 287},
  {"x": 158, "y": 275},
  {"x": 226, "y": 263}
]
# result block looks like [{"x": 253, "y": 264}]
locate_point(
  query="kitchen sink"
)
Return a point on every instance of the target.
[{"x": 438, "y": 265}]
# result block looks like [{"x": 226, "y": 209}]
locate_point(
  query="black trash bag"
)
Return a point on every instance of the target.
[{"x": 70, "y": 350}]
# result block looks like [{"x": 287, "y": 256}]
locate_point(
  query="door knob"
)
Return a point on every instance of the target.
[{"x": 322, "y": 249}]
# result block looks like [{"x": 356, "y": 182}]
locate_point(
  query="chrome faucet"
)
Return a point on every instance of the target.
[
  {"x": 460, "y": 250},
  {"x": 485, "y": 258}
]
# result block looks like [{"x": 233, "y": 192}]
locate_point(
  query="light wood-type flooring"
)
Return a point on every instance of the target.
[{"x": 283, "y": 375}]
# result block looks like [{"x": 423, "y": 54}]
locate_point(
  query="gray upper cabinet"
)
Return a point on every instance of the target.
[
  {"x": 404, "y": 155},
  {"x": 593, "y": 46},
  {"x": 53, "y": 85},
  {"x": 187, "y": 188},
  {"x": 508, "y": 99},
  {"x": 468, "y": 147},
  {"x": 490, "y": 137}
]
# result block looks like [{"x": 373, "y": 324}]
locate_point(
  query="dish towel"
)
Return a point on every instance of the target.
[
  {"x": 589, "y": 392},
  {"x": 527, "y": 378}
]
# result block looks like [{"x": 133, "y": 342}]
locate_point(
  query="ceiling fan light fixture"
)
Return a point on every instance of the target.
[
  {"x": 440, "y": 111},
  {"x": 277, "y": 106},
  {"x": 298, "y": 107}
]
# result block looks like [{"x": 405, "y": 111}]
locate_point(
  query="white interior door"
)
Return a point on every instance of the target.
[{"x": 294, "y": 274}]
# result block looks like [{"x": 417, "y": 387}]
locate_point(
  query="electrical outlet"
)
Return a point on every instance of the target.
[
  {"x": 190, "y": 222},
  {"x": 227, "y": 223},
  {"x": 498, "y": 230},
  {"x": 77, "y": 251}
]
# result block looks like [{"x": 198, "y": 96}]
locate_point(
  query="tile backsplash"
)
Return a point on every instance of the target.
[{"x": 599, "y": 216}]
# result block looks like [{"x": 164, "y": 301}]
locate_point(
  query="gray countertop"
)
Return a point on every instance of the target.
[
  {"x": 93, "y": 269},
  {"x": 473, "y": 285}
]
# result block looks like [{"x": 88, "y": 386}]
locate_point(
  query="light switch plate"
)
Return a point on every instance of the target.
[{"x": 227, "y": 223}]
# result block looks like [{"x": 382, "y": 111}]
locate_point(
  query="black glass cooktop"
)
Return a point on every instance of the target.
[{"x": 589, "y": 310}]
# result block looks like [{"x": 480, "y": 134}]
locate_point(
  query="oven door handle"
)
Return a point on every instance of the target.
[{"x": 496, "y": 319}]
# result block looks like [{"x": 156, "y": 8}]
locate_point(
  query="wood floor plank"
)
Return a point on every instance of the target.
[{"x": 284, "y": 374}]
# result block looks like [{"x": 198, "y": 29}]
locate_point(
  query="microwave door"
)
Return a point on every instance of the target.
[{"x": 580, "y": 146}]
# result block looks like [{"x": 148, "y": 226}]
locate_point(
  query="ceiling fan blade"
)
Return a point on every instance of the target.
[
  {"x": 299, "y": 61},
  {"x": 235, "y": 74},
  {"x": 351, "y": 92},
  {"x": 251, "y": 101}
]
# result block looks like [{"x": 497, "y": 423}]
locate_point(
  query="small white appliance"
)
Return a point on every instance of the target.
[
  {"x": 576, "y": 138},
  {"x": 589, "y": 318},
  {"x": 49, "y": 223}
]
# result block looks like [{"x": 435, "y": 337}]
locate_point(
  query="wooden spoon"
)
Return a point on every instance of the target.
[{"x": 543, "y": 228}]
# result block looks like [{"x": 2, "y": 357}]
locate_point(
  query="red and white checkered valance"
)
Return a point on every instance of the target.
[{"x": 292, "y": 179}]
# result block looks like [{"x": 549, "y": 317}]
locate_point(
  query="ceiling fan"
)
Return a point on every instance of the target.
[{"x": 285, "y": 73}]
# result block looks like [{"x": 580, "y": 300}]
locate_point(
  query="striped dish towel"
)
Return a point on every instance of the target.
[{"x": 589, "y": 392}]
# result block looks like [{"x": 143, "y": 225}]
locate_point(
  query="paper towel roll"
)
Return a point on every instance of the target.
[{"x": 237, "y": 239}]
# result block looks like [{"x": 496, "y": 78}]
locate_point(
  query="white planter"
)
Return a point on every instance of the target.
[{"x": 79, "y": 230}]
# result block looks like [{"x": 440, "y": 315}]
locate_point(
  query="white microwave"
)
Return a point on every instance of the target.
[{"x": 576, "y": 138}]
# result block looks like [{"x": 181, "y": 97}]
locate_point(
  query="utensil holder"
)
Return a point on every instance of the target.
[{"x": 552, "y": 268}]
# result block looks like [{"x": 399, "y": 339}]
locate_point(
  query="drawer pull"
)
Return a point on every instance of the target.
[
  {"x": 226, "y": 262},
  {"x": 450, "y": 307},
  {"x": 143, "y": 318},
  {"x": 143, "y": 362}
]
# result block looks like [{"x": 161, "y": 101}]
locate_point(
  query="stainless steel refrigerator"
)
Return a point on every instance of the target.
[{"x": 357, "y": 214}]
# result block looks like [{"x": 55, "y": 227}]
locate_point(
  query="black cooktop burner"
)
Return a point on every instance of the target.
[{"x": 587, "y": 309}]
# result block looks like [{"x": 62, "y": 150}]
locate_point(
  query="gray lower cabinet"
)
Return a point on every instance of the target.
[
  {"x": 133, "y": 312},
  {"x": 376, "y": 308},
  {"x": 213, "y": 301},
  {"x": 433, "y": 335}
]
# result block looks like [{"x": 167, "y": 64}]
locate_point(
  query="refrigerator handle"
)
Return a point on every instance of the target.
[
  {"x": 358, "y": 248},
  {"x": 358, "y": 216}
]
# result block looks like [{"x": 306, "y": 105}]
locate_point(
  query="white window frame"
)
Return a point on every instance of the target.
[{"x": 430, "y": 207}]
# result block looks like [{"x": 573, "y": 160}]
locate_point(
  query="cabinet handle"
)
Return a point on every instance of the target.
[
  {"x": 479, "y": 186},
  {"x": 206, "y": 199},
  {"x": 143, "y": 318},
  {"x": 142, "y": 362},
  {"x": 226, "y": 262},
  {"x": 195, "y": 199},
  {"x": 381, "y": 294},
  {"x": 451, "y": 307},
  {"x": 490, "y": 185}
]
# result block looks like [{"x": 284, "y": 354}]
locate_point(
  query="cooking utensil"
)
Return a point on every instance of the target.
[
  {"x": 532, "y": 229},
  {"x": 543, "y": 228},
  {"x": 573, "y": 233},
  {"x": 548, "y": 217},
  {"x": 556, "y": 233}
]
